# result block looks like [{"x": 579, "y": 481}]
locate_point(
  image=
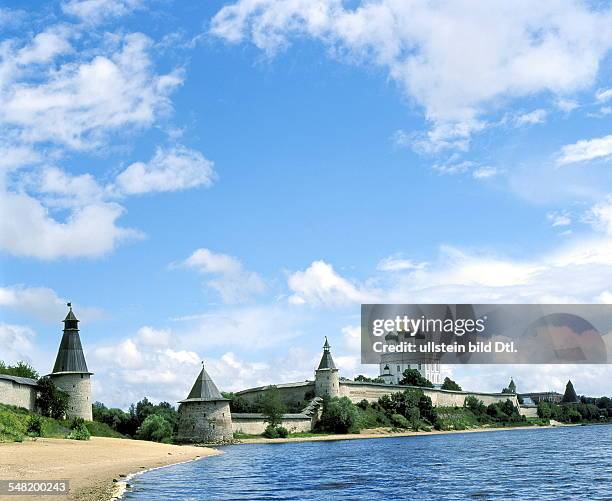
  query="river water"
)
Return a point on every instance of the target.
[{"x": 542, "y": 464}]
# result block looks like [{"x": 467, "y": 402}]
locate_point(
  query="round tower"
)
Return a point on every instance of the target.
[
  {"x": 70, "y": 373},
  {"x": 327, "y": 380},
  {"x": 204, "y": 416}
]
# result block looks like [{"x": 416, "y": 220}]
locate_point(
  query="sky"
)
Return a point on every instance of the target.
[{"x": 229, "y": 181}]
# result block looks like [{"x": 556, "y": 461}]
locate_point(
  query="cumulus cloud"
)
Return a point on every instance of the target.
[
  {"x": 66, "y": 100},
  {"x": 585, "y": 150},
  {"x": 231, "y": 280},
  {"x": 27, "y": 229},
  {"x": 178, "y": 168},
  {"x": 321, "y": 284},
  {"x": 78, "y": 102},
  {"x": 42, "y": 303},
  {"x": 514, "y": 50}
]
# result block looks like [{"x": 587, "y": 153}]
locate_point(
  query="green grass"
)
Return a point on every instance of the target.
[{"x": 14, "y": 426}]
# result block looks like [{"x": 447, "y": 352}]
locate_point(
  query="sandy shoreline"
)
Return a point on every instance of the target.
[{"x": 90, "y": 466}]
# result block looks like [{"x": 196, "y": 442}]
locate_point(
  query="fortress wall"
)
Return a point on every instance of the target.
[
  {"x": 255, "y": 424},
  {"x": 21, "y": 395},
  {"x": 287, "y": 394},
  {"x": 528, "y": 411},
  {"x": 439, "y": 398},
  {"x": 205, "y": 422},
  {"x": 78, "y": 387}
]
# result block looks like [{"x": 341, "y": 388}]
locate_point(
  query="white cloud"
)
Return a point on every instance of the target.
[
  {"x": 397, "y": 263},
  {"x": 320, "y": 284},
  {"x": 27, "y": 229},
  {"x": 93, "y": 11},
  {"x": 232, "y": 281},
  {"x": 16, "y": 341},
  {"x": 77, "y": 103},
  {"x": 600, "y": 216},
  {"x": 175, "y": 169},
  {"x": 586, "y": 149},
  {"x": 531, "y": 118},
  {"x": 154, "y": 337},
  {"x": 559, "y": 218},
  {"x": 485, "y": 172},
  {"x": 603, "y": 95},
  {"x": 515, "y": 50},
  {"x": 42, "y": 303}
]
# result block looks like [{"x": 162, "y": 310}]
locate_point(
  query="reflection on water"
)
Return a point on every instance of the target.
[{"x": 564, "y": 463}]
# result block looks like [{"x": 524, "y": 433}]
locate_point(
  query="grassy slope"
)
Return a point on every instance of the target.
[{"x": 14, "y": 425}]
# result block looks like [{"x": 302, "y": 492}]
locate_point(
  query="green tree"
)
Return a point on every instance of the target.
[
  {"x": 155, "y": 428},
  {"x": 20, "y": 369},
  {"x": 50, "y": 400},
  {"x": 570, "y": 394},
  {"x": 412, "y": 377},
  {"x": 339, "y": 415},
  {"x": 475, "y": 405},
  {"x": 449, "y": 384},
  {"x": 427, "y": 410},
  {"x": 272, "y": 406}
]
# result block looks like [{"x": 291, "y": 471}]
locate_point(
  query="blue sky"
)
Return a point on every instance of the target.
[{"x": 229, "y": 182}]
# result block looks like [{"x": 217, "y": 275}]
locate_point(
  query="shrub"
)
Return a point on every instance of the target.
[
  {"x": 35, "y": 426},
  {"x": 475, "y": 405},
  {"x": 400, "y": 421},
  {"x": 282, "y": 431},
  {"x": 155, "y": 428},
  {"x": 339, "y": 415},
  {"x": 80, "y": 431}
]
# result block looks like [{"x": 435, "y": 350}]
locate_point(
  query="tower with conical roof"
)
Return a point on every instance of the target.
[
  {"x": 70, "y": 373},
  {"x": 204, "y": 416},
  {"x": 327, "y": 380}
]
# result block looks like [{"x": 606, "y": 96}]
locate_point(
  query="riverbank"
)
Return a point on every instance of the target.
[
  {"x": 386, "y": 433},
  {"x": 95, "y": 468}
]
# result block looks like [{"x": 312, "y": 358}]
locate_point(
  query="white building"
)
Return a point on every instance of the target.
[{"x": 393, "y": 365}]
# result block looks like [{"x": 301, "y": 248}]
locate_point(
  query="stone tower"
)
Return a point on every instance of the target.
[
  {"x": 327, "y": 381},
  {"x": 204, "y": 416},
  {"x": 70, "y": 372}
]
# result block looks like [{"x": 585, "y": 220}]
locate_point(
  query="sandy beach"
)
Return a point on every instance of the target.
[{"x": 90, "y": 466}]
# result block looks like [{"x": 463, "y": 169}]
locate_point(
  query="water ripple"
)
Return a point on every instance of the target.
[{"x": 545, "y": 464}]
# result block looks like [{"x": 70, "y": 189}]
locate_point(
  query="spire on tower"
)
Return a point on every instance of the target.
[
  {"x": 70, "y": 356},
  {"x": 327, "y": 362},
  {"x": 204, "y": 389}
]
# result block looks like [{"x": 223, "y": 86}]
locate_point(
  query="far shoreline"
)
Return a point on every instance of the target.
[{"x": 381, "y": 433}]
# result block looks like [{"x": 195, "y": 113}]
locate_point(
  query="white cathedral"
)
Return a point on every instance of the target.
[{"x": 393, "y": 365}]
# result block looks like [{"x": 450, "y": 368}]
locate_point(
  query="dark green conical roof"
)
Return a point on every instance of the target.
[
  {"x": 327, "y": 362},
  {"x": 204, "y": 389},
  {"x": 70, "y": 356}
]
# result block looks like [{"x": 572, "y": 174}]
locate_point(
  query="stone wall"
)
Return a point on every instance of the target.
[
  {"x": 255, "y": 424},
  {"x": 204, "y": 421},
  {"x": 358, "y": 391},
  {"x": 12, "y": 392},
  {"x": 289, "y": 393},
  {"x": 78, "y": 387},
  {"x": 528, "y": 410}
]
